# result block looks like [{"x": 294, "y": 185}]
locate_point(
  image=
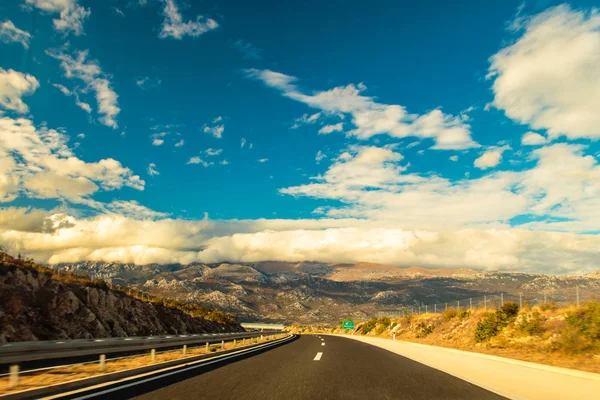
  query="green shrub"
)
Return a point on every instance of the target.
[
  {"x": 511, "y": 309},
  {"x": 464, "y": 314},
  {"x": 572, "y": 342},
  {"x": 368, "y": 326},
  {"x": 490, "y": 326},
  {"x": 423, "y": 329},
  {"x": 385, "y": 321},
  {"x": 531, "y": 323},
  {"x": 586, "y": 320}
]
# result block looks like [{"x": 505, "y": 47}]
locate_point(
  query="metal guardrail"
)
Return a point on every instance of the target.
[{"x": 15, "y": 353}]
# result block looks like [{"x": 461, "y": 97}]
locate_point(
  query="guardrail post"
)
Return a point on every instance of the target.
[
  {"x": 184, "y": 349},
  {"x": 13, "y": 380},
  {"x": 394, "y": 336},
  {"x": 153, "y": 354},
  {"x": 207, "y": 347},
  {"x": 261, "y": 337},
  {"x": 222, "y": 345},
  {"x": 102, "y": 362},
  {"x": 234, "y": 342}
]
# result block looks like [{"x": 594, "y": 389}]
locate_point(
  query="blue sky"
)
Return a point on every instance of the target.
[{"x": 426, "y": 115}]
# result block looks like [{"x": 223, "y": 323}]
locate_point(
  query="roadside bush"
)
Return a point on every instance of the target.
[
  {"x": 511, "y": 309},
  {"x": 464, "y": 314},
  {"x": 408, "y": 318},
  {"x": 423, "y": 329},
  {"x": 490, "y": 326},
  {"x": 531, "y": 324},
  {"x": 548, "y": 306},
  {"x": 449, "y": 314},
  {"x": 572, "y": 342},
  {"x": 380, "y": 329},
  {"x": 385, "y": 321},
  {"x": 586, "y": 320},
  {"x": 368, "y": 326}
]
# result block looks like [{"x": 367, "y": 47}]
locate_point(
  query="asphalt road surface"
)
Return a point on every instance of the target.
[{"x": 310, "y": 367}]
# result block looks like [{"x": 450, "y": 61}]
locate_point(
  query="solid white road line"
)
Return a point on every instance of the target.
[{"x": 318, "y": 356}]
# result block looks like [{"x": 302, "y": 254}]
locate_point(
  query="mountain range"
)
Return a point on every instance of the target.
[{"x": 314, "y": 292}]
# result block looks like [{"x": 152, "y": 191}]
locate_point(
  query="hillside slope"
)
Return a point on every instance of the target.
[
  {"x": 313, "y": 292},
  {"x": 36, "y": 304}
]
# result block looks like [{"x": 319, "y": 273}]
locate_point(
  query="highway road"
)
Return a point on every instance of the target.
[{"x": 310, "y": 367}]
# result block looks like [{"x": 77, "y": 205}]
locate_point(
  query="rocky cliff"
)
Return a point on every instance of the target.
[{"x": 34, "y": 305}]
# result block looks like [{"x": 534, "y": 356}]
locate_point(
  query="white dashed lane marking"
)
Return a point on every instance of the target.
[{"x": 318, "y": 356}]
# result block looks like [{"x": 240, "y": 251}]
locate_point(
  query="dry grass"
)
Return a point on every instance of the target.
[
  {"x": 566, "y": 337},
  {"x": 67, "y": 374}
]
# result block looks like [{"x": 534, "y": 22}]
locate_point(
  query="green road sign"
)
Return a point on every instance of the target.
[{"x": 348, "y": 325}]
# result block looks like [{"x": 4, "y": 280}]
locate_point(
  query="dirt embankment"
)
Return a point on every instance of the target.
[{"x": 566, "y": 337}]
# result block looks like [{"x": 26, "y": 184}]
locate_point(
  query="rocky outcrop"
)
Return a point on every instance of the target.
[{"x": 34, "y": 306}]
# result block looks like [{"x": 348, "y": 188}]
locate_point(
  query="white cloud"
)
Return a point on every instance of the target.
[
  {"x": 145, "y": 82},
  {"x": 453, "y": 158},
  {"x": 95, "y": 79},
  {"x": 81, "y": 135},
  {"x": 306, "y": 119},
  {"x": 81, "y": 104},
  {"x": 250, "y": 146},
  {"x": 133, "y": 209},
  {"x": 213, "y": 152},
  {"x": 217, "y": 119},
  {"x": 216, "y": 131},
  {"x": 490, "y": 158},
  {"x": 157, "y": 142},
  {"x": 9, "y": 33},
  {"x": 320, "y": 156},
  {"x": 224, "y": 162},
  {"x": 198, "y": 160},
  {"x": 119, "y": 11},
  {"x": 372, "y": 118},
  {"x": 331, "y": 128},
  {"x": 152, "y": 171},
  {"x": 373, "y": 183},
  {"x": 180, "y": 143},
  {"x": 37, "y": 163},
  {"x": 71, "y": 14},
  {"x": 263, "y": 160},
  {"x": 533, "y": 139},
  {"x": 56, "y": 237},
  {"x": 174, "y": 27},
  {"x": 13, "y": 86},
  {"x": 550, "y": 77},
  {"x": 242, "y": 143}
]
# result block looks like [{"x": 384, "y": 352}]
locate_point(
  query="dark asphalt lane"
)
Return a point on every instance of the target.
[{"x": 348, "y": 369}]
